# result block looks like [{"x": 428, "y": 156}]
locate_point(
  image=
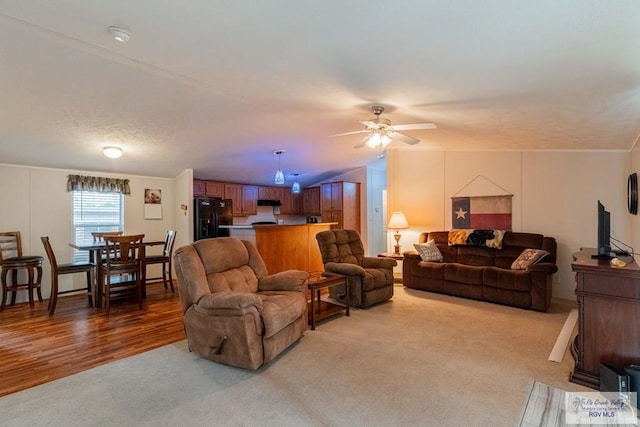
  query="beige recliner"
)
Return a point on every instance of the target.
[
  {"x": 370, "y": 278},
  {"x": 234, "y": 312}
]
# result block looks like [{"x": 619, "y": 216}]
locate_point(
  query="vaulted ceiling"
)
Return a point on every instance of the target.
[{"x": 217, "y": 86}]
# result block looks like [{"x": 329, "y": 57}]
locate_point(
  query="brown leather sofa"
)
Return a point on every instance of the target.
[
  {"x": 484, "y": 273},
  {"x": 234, "y": 312}
]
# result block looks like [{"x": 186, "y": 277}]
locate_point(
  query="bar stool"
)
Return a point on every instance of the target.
[{"x": 12, "y": 261}]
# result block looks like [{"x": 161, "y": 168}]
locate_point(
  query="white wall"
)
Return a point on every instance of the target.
[
  {"x": 36, "y": 203},
  {"x": 554, "y": 193}
]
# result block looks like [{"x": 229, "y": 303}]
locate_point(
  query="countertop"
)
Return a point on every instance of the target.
[{"x": 248, "y": 227}]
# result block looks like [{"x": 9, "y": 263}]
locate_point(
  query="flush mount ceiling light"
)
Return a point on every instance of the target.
[
  {"x": 112, "y": 152},
  {"x": 279, "y": 177},
  {"x": 120, "y": 34}
]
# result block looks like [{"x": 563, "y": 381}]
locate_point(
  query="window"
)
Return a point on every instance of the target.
[{"x": 94, "y": 211}]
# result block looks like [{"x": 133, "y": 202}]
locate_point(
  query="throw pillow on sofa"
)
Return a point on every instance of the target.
[
  {"x": 428, "y": 251},
  {"x": 527, "y": 258}
]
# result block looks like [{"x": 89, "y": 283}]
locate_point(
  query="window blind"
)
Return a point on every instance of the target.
[{"x": 94, "y": 211}]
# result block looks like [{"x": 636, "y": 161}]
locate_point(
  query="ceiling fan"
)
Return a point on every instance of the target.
[{"x": 380, "y": 132}]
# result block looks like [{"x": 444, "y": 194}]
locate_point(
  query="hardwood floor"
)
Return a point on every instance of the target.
[{"x": 36, "y": 348}]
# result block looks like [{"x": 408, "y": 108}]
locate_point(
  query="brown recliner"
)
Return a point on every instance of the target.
[
  {"x": 234, "y": 312},
  {"x": 370, "y": 278}
]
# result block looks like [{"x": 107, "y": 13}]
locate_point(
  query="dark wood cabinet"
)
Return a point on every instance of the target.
[
  {"x": 270, "y": 193},
  {"x": 244, "y": 198},
  {"x": 311, "y": 201},
  {"x": 608, "y": 316},
  {"x": 199, "y": 188},
  {"x": 290, "y": 202},
  {"x": 340, "y": 202},
  {"x": 214, "y": 189}
]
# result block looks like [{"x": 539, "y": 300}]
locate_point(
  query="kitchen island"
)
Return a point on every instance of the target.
[{"x": 285, "y": 246}]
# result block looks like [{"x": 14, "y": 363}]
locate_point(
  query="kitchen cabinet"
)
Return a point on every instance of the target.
[
  {"x": 270, "y": 193},
  {"x": 199, "y": 188},
  {"x": 244, "y": 198},
  {"x": 214, "y": 189},
  {"x": 291, "y": 202},
  {"x": 340, "y": 202},
  {"x": 311, "y": 201}
]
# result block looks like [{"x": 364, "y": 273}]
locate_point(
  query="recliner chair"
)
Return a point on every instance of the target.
[
  {"x": 235, "y": 313},
  {"x": 370, "y": 278}
]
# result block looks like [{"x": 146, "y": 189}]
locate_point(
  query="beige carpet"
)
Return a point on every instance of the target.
[{"x": 422, "y": 359}]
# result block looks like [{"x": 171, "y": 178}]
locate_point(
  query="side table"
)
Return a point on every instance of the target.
[
  {"x": 397, "y": 271},
  {"x": 319, "y": 309}
]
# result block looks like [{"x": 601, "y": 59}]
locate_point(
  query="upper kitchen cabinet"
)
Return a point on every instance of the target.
[
  {"x": 340, "y": 202},
  {"x": 214, "y": 189},
  {"x": 291, "y": 202},
  {"x": 270, "y": 193},
  {"x": 203, "y": 188},
  {"x": 199, "y": 188},
  {"x": 311, "y": 201},
  {"x": 244, "y": 198}
]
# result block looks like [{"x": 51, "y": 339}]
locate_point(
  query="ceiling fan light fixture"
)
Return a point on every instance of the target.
[
  {"x": 112, "y": 152},
  {"x": 278, "y": 179},
  {"x": 120, "y": 34}
]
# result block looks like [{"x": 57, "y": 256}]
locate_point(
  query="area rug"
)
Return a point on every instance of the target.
[{"x": 420, "y": 359}]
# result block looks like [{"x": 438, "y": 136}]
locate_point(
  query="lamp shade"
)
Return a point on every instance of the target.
[{"x": 398, "y": 221}]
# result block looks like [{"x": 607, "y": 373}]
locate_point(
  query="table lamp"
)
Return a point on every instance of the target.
[{"x": 397, "y": 222}]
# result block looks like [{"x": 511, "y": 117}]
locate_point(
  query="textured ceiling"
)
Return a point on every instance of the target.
[{"x": 217, "y": 86}]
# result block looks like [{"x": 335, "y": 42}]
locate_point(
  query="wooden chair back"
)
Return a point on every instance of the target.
[
  {"x": 168, "y": 243},
  {"x": 10, "y": 245},
  {"x": 123, "y": 251},
  {"x": 98, "y": 236}
]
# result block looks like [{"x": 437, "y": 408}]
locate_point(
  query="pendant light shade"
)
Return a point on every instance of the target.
[
  {"x": 295, "y": 188},
  {"x": 279, "y": 176}
]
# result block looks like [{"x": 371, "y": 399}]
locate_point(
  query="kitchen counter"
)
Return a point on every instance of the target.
[
  {"x": 290, "y": 246},
  {"x": 240, "y": 227}
]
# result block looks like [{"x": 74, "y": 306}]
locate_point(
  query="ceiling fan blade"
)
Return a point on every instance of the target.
[
  {"x": 370, "y": 124},
  {"x": 348, "y": 133},
  {"x": 415, "y": 126},
  {"x": 404, "y": 138},
  {"x": 362, "y": 143}
]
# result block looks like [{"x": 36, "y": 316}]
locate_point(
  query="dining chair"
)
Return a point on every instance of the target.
[
  {"x": 12, "y": 261},
  {"x": 164, "y": 259},
  {"x": 70, "y": 268},
  {"x": 98, "y": 236},
  {"x": 121, "y": 268}
]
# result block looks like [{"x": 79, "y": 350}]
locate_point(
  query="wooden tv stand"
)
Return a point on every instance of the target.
[{"x": 608, "y": 316}]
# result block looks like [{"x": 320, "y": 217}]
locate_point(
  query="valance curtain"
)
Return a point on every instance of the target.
[{"x": 98, "y": 184}]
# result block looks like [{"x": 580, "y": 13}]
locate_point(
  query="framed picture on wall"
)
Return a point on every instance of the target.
[{"x": 152, "y": 203}]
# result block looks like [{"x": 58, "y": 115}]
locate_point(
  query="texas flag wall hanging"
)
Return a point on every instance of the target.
[{"x": 481, "y": 212}]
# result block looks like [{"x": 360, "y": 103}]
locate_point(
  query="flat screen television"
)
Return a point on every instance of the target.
[{"x": 604, "y": 234}]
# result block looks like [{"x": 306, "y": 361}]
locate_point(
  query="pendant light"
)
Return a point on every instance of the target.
[
  {"x": 295, "y": 188},
  {"x": 279, "y": 177}
]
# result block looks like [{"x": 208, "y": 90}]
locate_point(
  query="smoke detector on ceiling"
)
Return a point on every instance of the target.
[{"x": 120, "y": 34}]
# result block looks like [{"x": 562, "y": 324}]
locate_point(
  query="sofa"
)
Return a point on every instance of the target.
[
  {"x": 485, "y": 273},
  {"x": 235, "y": 313}
]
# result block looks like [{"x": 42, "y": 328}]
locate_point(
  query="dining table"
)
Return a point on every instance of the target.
[{"x": 95, "y": 249}]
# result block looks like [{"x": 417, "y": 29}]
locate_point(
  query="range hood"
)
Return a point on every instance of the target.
[{"x": 268, "y": 202}]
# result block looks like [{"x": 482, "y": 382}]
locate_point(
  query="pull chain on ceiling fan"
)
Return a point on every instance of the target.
[{"x": 381, "y": 133}]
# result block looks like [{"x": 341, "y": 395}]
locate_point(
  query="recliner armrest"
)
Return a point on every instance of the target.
[
  {"x": 546, "y": 267},
  {"x": 378, "y": 262},
  {"x": 290, "y": 280},
  {"x": 344, "y": 268},
  {"x": 230, "y": 300}
]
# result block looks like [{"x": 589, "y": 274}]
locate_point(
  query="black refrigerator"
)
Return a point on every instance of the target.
[{"x": 209, "y": 215}]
